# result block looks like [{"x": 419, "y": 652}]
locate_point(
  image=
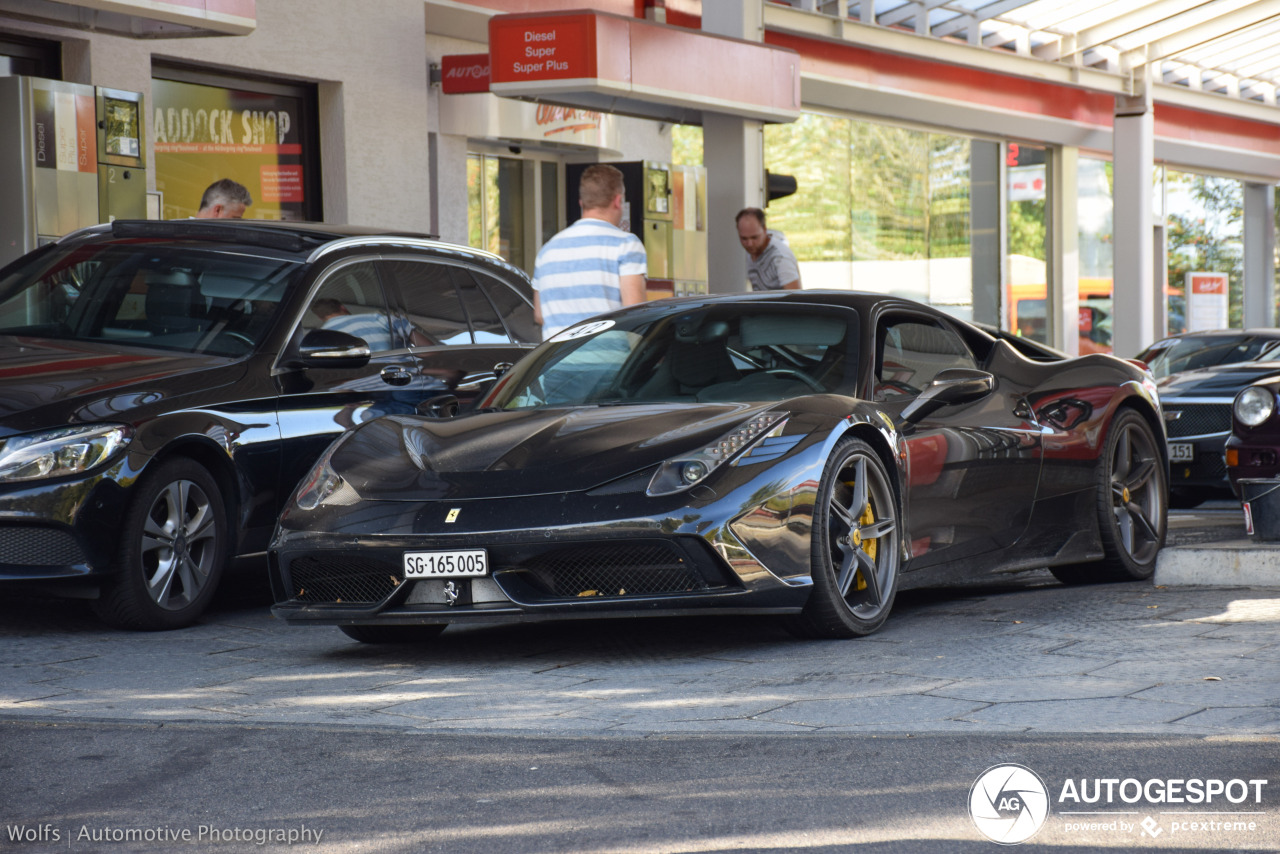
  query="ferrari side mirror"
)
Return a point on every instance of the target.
[{"x": 950, "y": 387}]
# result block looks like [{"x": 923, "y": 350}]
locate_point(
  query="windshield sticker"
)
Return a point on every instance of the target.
[{"x": 587, "y": 329}]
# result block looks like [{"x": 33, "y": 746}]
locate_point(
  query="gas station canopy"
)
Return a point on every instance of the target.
[
  {"x": 614, "y": 64},
  {"x": 1230, "y": 47},
  {"x": 142, "y": 18}
]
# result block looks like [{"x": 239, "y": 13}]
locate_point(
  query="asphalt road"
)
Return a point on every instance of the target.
[
  {"x": 654, "y": 736},
  {"x": 358, "y": 789}
]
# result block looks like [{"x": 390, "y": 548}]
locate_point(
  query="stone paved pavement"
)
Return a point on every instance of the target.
[{"x": 1032, "y": 656}]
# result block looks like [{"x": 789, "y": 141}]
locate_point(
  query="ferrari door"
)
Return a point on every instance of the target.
[{"x": 973, "y": 468}]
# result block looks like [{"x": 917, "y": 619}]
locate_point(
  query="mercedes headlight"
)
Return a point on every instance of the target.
[
  {"x": 1254, "y": 405},
  {"x": 60, "y": 452},
  {"x": 691, "y": 469}
]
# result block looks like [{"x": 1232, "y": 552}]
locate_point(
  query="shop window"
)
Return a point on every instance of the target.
[
  {"x": 1026, "y": 190},
  {"x": 496, "y": 207},
  {"x": 513, "y": 205},
  {"x": 877, "y": 207},
  {"x": 550, "y": 201},
  {"x": 263, "y": 135},
  {"x": 30, "y": 58},
  {"x": 1204, "y": 217}
]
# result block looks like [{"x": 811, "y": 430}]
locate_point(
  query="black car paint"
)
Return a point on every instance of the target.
[
  {"x": 1256, "y": 449},
  {"x": 1197, "y": 411},
  {"x": 1016, "y": 488},
  {"x": 257, "y": 422}
]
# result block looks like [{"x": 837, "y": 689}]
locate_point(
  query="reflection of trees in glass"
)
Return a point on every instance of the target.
[
  {"x": 492, "y": 236},
  {"x": 475, "y": 205},
  {"x": 1027, "y": 228},
  {"x": 1205, "y": 217},
  {"x": 484, "y": 203},
  {"x": 948, "y": 196},
  {"x": 867, "y": 191},
  {"x": 814, "y": 149},
  {"x": 686, "y": 145},
  {"x": 1096, "y": 214}
]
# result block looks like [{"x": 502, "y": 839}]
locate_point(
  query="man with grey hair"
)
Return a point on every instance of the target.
[{"x": 225, "y": 199}]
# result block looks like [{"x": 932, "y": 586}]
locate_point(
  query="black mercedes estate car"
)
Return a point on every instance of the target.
[{"x": 165, "y": 385}]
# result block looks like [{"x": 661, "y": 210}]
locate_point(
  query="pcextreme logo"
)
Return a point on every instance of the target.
[{"x": 1008, "y": 803}]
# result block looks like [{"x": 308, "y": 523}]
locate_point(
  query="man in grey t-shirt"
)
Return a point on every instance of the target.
[{"x": 771, "y": 266}]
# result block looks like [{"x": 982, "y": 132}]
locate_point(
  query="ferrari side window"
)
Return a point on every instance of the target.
[{"x": 912, "y": 352}]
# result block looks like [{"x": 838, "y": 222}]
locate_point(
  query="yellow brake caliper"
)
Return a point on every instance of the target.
[{"x": 866, "y": 518}]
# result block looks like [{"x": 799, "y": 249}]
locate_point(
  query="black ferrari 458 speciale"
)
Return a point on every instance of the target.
[{"x": 804, "y": 453}]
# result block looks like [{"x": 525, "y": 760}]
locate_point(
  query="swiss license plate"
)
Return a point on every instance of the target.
[
  {"x": 464, "y": 563},
  {"x": 1182, "y": 452}
]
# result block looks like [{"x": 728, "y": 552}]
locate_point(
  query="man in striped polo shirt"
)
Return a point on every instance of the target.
[{"x": 593, "y": 266}]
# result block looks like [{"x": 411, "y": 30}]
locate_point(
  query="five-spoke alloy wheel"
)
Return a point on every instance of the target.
[
  {"x": 856, "y": 546},
  {"x": 172, "y": 550},
  {"x": 1132, "y": 504}
]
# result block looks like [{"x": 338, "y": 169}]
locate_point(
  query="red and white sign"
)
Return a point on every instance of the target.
[
  {"x": 1026, "y": 183},
  {"x": 1207, "y": 301},
  {"x": 464, "y": 73},
  {"x": 551, "y": 47},
  {"x": 1208, "y": 283}
]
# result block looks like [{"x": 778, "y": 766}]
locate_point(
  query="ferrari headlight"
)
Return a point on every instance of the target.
[
  {"x": 684, "y": 471},
  {"x": 323, "y": 485},
  {"x": 60, "y": 452},
  {"x": 1254, "y": 405}
]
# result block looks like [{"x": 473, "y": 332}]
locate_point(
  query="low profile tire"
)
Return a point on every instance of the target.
[
  {"x": 1131, "y": 506},
  {"x": 856, "y": 547},
  {"x": 391, "y": 634},
  {"x": 172, "y": 553}
]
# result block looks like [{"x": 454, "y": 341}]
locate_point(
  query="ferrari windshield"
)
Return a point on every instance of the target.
[
  {"x": 193, "y": 299},
  {"x": 717, "y": 353}
]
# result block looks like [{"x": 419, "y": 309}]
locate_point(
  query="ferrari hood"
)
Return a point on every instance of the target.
[{"x": 524, "y": 452}]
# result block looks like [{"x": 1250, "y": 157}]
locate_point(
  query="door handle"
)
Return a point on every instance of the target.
[{"x": 396, "y": 375}]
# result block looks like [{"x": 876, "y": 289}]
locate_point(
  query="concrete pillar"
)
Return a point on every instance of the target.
[
  {"x": 1135, "y": 292},
  {"x": 734, "y": 156},
  {"x": 1063, "y": 251},
  {"x": 986, "y": 231},
  {"x": 1259, "y": 255}
]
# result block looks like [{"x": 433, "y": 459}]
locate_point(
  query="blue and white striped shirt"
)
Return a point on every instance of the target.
[
  {"x": 373, "y": 328},
  {"x": 579, "y": 272}
]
